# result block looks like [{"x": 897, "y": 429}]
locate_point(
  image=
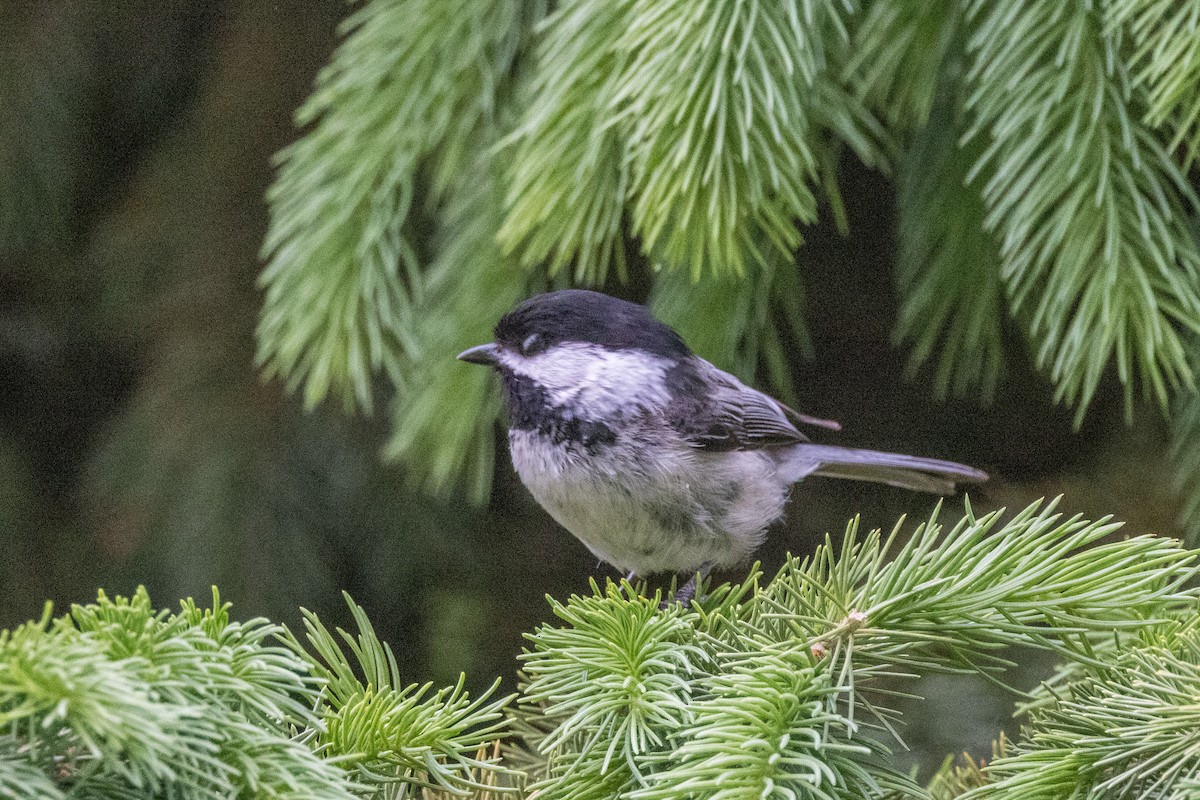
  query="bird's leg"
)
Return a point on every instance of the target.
[
  {"x": 688, "y": 590},
  {"x": 632, "y": 576}
]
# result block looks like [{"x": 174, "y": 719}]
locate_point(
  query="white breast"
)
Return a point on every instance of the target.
[{"x": 657, "y": 507}]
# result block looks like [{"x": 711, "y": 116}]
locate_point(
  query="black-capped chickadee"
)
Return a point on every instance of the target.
[{"x": 648, "y": 454}]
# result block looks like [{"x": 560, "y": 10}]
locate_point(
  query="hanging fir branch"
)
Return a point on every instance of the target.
[
  {"x": 948, "y": 265},
  {"x": 470, "y": 285},
  {"x": 705, "y": 135},
  {"x": 569, "y": 178},
  {"x": 1089, "y": 208},
  {"x": 341, "y": 272},
  {"x": 721, "y": 156},
  {"x": 765, "y": 310},
  {"x": 898, "y": 59}
]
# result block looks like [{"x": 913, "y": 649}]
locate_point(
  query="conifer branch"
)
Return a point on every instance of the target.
[
  {"x": 584, "y": 776},
  {"x": 948, "y": 265},
  {"x": 412, "y": 81},
  {"x": 770, "y": 688},
  {"x": 907, "y": 63},
  {"x": 638, "y": 661},
  {"x": 392, "y": 734},
  {"x": 1122, "y": 728},
  {"x": 121, "y": 700},
  {"x": 722, "y": 166},
  {"x": 1089, "y": 209},
  {"x": 569, "y": 177},
  {"x": 19, "y": 778},
  {"x": 958, "y": 776},
  {"x": 705, "y": 168},
  {"x": 705, "y": 134},
  {"x": 777, "y": 719},
  {"x": 1038, "y": 579},
  {"x": 471, "y": 283}
]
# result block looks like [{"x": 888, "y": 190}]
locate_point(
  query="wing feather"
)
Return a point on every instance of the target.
[{"x": 716, "y": 411}]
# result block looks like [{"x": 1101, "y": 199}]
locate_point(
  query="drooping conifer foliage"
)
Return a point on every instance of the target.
[{"x": 1040, "y": 151}]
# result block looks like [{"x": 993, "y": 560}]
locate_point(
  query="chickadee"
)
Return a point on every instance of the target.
[{"x": 648, "y": 454}]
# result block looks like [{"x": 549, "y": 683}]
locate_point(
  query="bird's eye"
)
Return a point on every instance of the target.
[{"x": 531, "y": 343}]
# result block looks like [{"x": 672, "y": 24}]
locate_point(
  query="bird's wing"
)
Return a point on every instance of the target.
[{"x": 716, "y": 411}]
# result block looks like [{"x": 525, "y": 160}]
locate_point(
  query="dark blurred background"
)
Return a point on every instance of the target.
[{"x": 138, "y": 445}]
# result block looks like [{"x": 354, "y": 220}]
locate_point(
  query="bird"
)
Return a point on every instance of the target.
[{"x": 655, "y": 459}]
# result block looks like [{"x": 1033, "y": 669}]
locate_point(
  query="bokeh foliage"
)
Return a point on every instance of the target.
[{"x": 1041, "y": 152}]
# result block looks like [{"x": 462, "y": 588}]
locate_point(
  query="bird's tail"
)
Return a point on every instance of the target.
[{"x": 907, "y": 472}]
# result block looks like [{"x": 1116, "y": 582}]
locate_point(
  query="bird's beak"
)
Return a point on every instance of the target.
[{"x": 479, "y": 354}]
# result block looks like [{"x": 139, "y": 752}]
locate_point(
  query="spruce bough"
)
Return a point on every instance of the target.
[
  {"x": 1041, "y": 152},
  {"x": 769, "y": 688}
]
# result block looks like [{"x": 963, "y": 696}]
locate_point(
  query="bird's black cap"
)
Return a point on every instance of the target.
[{"x": 578, "y": 315}]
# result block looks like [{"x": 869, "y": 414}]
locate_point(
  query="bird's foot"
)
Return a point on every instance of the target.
[{"x": 687, "y": 592}]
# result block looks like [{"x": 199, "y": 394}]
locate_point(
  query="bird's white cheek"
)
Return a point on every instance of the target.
[{"x": 596, "y": 379}]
